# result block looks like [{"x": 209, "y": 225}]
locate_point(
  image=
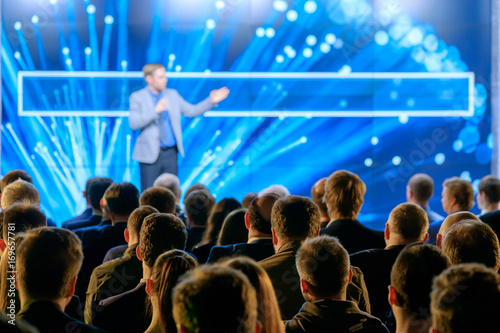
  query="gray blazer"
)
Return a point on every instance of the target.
[{"x": 144, "y": 118}]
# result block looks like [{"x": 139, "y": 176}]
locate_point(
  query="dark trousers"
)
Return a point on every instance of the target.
[{"x": 166, "y": 162}]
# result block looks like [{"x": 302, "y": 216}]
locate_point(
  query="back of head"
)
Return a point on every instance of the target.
[
  {"x": 490, "y": 186},
  {"x": 136, "y": 218},
  {"x": 215, "y": 298},
  {"x": 461, "y": 190},
  {"x": 166, "y": 272},
  {"x": 421, "y": 186},
  {"x": 160, "y": 198},
  {"x": 317, "y": 195},
  {"x": 409, "y": 221},
  {"x": 268, "y": 310},
  {"x": 324, "y": 264},
  {"x": 47, "y": 260},
  {"x": 248, "y": 198},
  {"x": 455, "y": 218},
  {"x": 159, "y": 233},
  {"x": 466, "y": 298},
  {"x": 12, "y": 176},
  {"x": 295, "y": 218},
  {"x": 122, "y": 198},
  {"x": 169, "y": 181},
  {"x": 21, "y": 217},
  {"x": 194, "y": 187},
  {"x": 19, "y": 190},
  {"x": 198, "y": 205},
  {"x": 216, "y": 219},
  {"x": 96, "y": 190},
  {"x": 279, "y": 190},
  {"x": 344, "y": 195},
  {"x": 233, "y": 229},
  {"x": 472, "y": 241},
  {"x": 259, "y": 212},
  {"x": 412, "y": 275}
]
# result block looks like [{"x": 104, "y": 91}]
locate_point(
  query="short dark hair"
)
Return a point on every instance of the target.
[
  {"x": 259, "y": 212},
  {"x": 461, "y": 190},
  {"x": 160, "y": 198},
  {"x": 344, "y": 194},
  {"x": 409, "y": 221},
  {"x": 12, "y": 176},
  {"x": 248, "y": 198},
  {"x": 198, "y": 205},
  {"x": 21, "y": 217},
  {"x": 422, "y": 187},
  {"x": 472, "y": 241},
  {"x": 136, "y": 218},
  {"x": 490, "y": 186},
  {"x": 194, "y": 187},
  {"x": 122, "y": 198},
  {"x": 96, "y": 190},
  {"x": 214, "y": 298},
  {"x": 412, "y": 275},
  {"x": 454, "y": 299},
  {"x": 47, "y": 260},
  {"x": 318, "y": 194},
  {"x": 324, "y": 264},
  {"x": 159, "y": 233},
  {"x": 295, "y": 217}
]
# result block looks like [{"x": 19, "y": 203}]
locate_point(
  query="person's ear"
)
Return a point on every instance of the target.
[
  {"x": 275, "y": 239},
  {"x": 176, "y": 215},
  {"x": 439, "y": 240},
  {"x": 247, "y": 220},
  {"x": 433, "y": 330},
  {"x": 2, "y": 245},
  {"x": 149, "y": 287},
  {"x": 393, "y": 296},
  {"x": 304, "y": 286},
  {"x": 350, "y": 276},
  {"x": 386, "y": 231},
  {"x": 126, "y": 234},
  {"x": 138, "y": 253},
  {"x": 183, "y": 329},
  {"x": 101, "y": 204},
  {"x": 426, "y": 237},
  {"x": 72, "y": 286},
  {"x": 85, "y": 194},
  {"x": 258, "y": 327}
]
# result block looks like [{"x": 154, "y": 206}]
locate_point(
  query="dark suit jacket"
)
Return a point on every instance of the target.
[
  {"x": 83, "y": 216},
  {"x": 259, "y": 249},
  {"x": 124, "y": 312},
  {"x": 112, "y": 278},
  {"x": 286, "y": 281},
  {"x": 202, "y": 252},
  {"x": 433, "y": 231},
  {"x": 376, "y": 265},
  {"x": 194, "y": 237},
  {"x": 90, "y": 221},
  {"x": 115, "y": 253},
  {"x": 354, "y": 236},
  {"x": 493, "y": 220},
  {"x": 48, "y": 318}
]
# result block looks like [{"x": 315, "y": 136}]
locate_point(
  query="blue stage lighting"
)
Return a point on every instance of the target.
[
  {"x": 465, "y": 175},
  {"x": 325, "y": 47},
  {"x": 210, "y": 24},
  {"x": 396, "y": 160},
  {"x": 311, "y": 40},
  {"x": 403, "y": 119},
  {"x": 307, "y": 52},
  {"x": 220, "y": 4},
  {"x": 270, "y": 32},
  {"x": 431, "y": 43},
  {"x": 310, "y": 6},
  {"x": 280, "y": 5},
  {"x": 260, "y": 32},
  {"x": 91, "y": 9},
  {"x": 108, "y": 19},
  {"x": 439, "y": 158},
  {"x": 374, "y": 141},
  {"x": 279, "y": 58},
  {"x": 368, "y": 162},
  {"x": 292, "y": 15},
  {"x": 330, "y": 38},
  {"x": 18, "y": 25},
  {"x": 35, "y": 19},
  {"x": 415, "y": 36},
  {"x": 381, "y": 38}
]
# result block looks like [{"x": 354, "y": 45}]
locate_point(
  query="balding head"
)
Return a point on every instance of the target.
[
  {"x": 317, "y": 194},
  {"x": 407, "y": 224},
  {"x": 258, "y": 217},
  {"x": 451, "y": 220},
  {"x": 171, "y": 182}
]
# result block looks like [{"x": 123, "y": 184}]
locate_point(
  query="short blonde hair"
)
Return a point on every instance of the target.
[
  {"x": 20, "y": 190},
  {"x": 149, "y": 69},
  {"x": 461, "y": 190}
]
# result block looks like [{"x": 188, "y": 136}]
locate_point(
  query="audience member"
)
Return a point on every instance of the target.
[
  {"x": 120, "y": 275},
  {"x": 472, "y": 241},
  {"x": 215, "y": 299},
  {"x": 126, "y": 312},
  {"x": 344, "y": 198},
  {"x": 12, "y": 176},
  {"x": 466, "y": 298},
  {"x": 260, "y": 240},
  {"x": 407, "y": 224},
  {"x": 323, "y": 266},
  {"x": 233, "y": 229},
  {"x": 451, "y": 220},
  {"x": 488, "y": 197},
  {"x": 279, "y": 190},
  {"x": 268, "y": 313},
  {"x": 214, "y": 224},
  {"x": 166, "y": 272},
  {"x": 420, "y": 190},
  {"x": 457, "y": 195},
  {"x": 47, "y": 263},
  {"x": 198, "y": 206},
  {"x": 411, "y": 283},
  {"x": 160, "y": 198},
  {"x": 317, "y": 195},
  {"x": 88, "y": 207},
  {"x": 248, "y": 198},
  {"x": 95, "y": 193},
  {"x": 171, "y": 182}
]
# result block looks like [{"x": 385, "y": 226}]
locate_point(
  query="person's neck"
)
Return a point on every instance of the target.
[
  {"x": 96, "y": 211},
  {"x": 340, "y": 217},
  {"x": 118, "y": 219},
  {"x": 60, "y": 303},
  {"x": 155, "y": 326},
  {"x": 392, "y": 241},
  {"x": 252, "y": 233},
  {"x": 408, "y": 324},
  {"x": 154, "y": 91},
  {"x": 490, "y": 207},
  {"x": 146, "y": 271},
  {"x": 133, "y": 240},
  {"x": 342, "y": 296},
  {"x": 422, "y": 204},
  {"x": 282, "y": 242}
]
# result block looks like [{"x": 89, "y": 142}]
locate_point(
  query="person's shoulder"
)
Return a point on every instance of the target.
[{"x": 139, "y": 92}]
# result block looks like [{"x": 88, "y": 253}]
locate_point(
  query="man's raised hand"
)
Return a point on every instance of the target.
[{"x": 218, "y": 95}]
